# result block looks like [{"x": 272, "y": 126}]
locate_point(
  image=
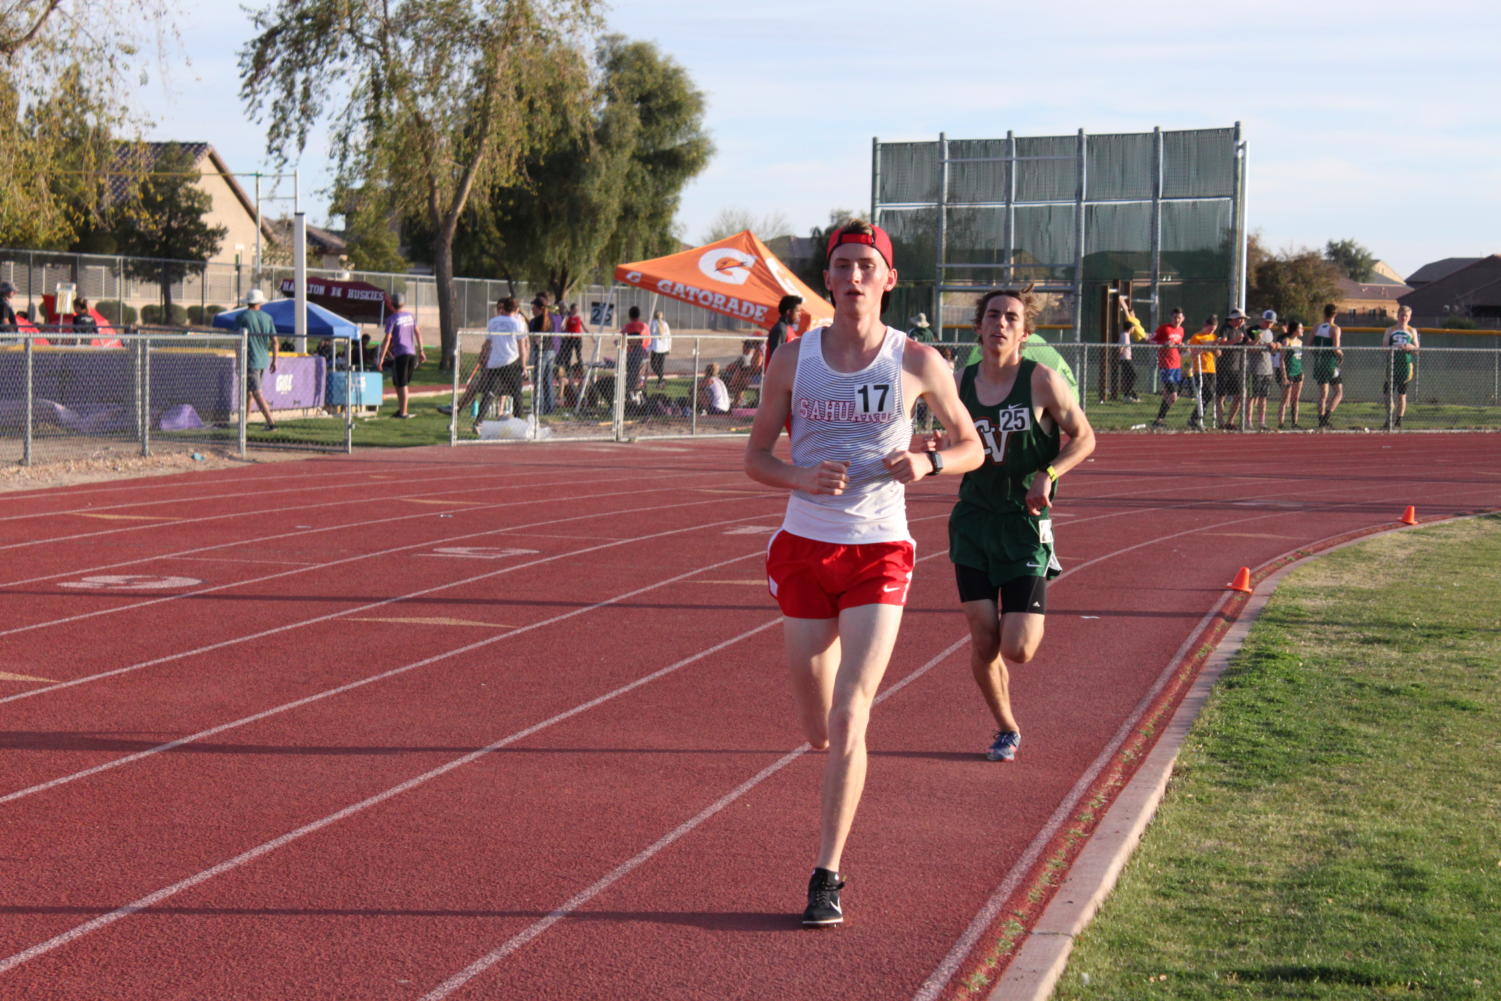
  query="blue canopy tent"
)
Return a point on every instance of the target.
[{"x": 320, "y": 322}]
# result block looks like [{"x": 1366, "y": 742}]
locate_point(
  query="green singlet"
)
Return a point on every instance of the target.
[{"x": 990, "y": 528}]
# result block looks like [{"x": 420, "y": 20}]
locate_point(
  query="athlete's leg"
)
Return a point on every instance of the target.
[
  {"x": 985, "y": 660},
  {"x": 813, "y": 659},
  {"x": 867, "y": 634},
  {"x": 1021, "y": 635}
]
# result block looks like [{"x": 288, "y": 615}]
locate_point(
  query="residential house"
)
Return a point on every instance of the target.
[{"x": 1472, "y": 291}]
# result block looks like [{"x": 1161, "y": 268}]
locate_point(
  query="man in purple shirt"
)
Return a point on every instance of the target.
[{"x": 403, "y": 344}]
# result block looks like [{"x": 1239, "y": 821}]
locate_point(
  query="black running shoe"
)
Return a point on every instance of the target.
[{"x": 823, "y": 899}]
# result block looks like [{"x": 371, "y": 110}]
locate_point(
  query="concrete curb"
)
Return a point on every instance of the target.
[{"x": 1039, "y": 963}]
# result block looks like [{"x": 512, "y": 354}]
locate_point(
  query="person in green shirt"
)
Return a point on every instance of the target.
[
  {"x": 1000, "y": 534},
  {"x": 259, "y": 330}
]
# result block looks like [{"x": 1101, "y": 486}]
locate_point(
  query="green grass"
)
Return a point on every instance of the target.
[
  {"x": 1114, "y": 415},
  {"x": 1333, "y": 829}
]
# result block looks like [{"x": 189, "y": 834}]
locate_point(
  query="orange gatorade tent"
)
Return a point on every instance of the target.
[{"x": 737, "y": 276}]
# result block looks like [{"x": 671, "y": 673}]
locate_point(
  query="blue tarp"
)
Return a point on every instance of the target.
[{"x": 320, "y": 322}]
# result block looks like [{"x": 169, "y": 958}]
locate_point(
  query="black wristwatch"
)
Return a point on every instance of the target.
[{"x": 937, "y": 461}]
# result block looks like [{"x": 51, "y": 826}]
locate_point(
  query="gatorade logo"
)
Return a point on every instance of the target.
[{"x": 726, "y": 264}]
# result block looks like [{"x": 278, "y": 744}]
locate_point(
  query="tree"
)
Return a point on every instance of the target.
[
  {"x": 1296, "y": 283},
  {"x": 730, "y": 221},
  {"x": 668, "y": 144},
  {"x": 163, "y": 221},
  {"x": 1358, "y": 263},
  {"x": 64, "y": 70},
  {"x": 598, "y": 195},
  {"x": 440, "y": 101},
  {"x": 811, "y": 271},
  {"x": 370, "y": 231}
]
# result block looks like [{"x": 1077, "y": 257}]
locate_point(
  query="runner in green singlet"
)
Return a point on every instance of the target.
[
  {"x": 1327, "y": 354},
  {"x": 1292, "y": 369},
  {"x": 1402, "y": 343},
  {"x": 1000, "y": 535}
]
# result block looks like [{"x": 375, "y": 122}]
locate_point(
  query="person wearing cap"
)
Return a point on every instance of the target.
[
  {"x": 1169, "y": 338},
  {"x": 259, "y": 330},
  {"x": 403, "y": 345},
  {"x": 1259, "y": 368},
  {"x": 1201, "y": 355},
  {"x": 1232, "y": 368},
  {"x": 841, "y": 564},
  {"x": 785, "y": 329},
  {"x": 1327, "y": 354},
  {"x": 7, "y": 312}
]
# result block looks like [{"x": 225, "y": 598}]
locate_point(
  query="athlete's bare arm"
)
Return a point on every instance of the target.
[
  {"x": 761, "y": 464},
  {"x": 1053, "y": 398},
  {"x": 926, "y": 373}
]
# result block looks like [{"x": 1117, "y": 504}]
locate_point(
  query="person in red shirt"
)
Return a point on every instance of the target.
[
  {"x": 1169, "y": 337},
  {"x": 636, "y": 334}
]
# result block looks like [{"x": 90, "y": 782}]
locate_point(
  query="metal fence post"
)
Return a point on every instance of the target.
[
  {"x": 30, "y": 397},
  {"x": 1391, "y": 385},
  {"x": 618, "y": 417},
  {"x": 146, "y": 397},
  {"x": 349, "y": 374},
  {"x": 693, "y": 391},
  {"x": 453, "y": 401},
  {"x": 243, "y": 398}
]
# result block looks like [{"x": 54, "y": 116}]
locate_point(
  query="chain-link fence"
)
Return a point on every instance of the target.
[
  {"x": 1252, "y": 388},
  {"x": 155, "y": 391},
  {"x": 610, "y": 387},
  {"x": 62, "y": 398}
]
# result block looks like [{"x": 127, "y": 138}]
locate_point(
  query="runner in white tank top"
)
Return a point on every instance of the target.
[
  {"x": 840, "y": 567},
  {"x": 857, "y": 418}
]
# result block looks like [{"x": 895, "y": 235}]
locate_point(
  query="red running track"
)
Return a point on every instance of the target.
[{"x": 512, "y": 722}]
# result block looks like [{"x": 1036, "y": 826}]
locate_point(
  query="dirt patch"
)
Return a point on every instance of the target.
[{"x": 123, "y": 462}]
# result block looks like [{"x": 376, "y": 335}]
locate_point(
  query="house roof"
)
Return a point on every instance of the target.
[
  {"x": 135, "y": 158},
  {"x": 1435, "y": 270},
  {"x": 325, "y": 241},
  {"x": 1476, "y": 284},
  {"x": 1351, "y": 289}
]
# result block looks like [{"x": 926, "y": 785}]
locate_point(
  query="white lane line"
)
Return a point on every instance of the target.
[
  {"x": 229, "y": 865},
  {"x": 286, "y": 627},
  {"x": 306, "y": 531},
  {"x": 581, "y": 898},
  {"x": 306, "y": 568},
  {"x": 986, "y": 917}
]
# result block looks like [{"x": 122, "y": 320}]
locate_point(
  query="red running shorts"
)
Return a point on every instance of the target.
[{"x": 816, "y": 580}]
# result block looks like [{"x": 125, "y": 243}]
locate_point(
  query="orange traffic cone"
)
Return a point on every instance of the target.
[
  {"x": 1410, "y": 516},
  {"x": 1242, "y": 581}
]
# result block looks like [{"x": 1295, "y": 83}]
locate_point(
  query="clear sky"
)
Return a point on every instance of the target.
[{"x": 1375, "y": 121}]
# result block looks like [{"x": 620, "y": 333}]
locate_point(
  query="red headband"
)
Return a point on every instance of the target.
[{"x": 878, "y": 240}]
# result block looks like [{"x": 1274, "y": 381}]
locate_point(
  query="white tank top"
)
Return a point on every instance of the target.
[{"x": 855, "y": 417}]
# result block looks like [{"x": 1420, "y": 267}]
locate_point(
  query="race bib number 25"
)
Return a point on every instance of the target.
[{"x": 995, "y": 435}]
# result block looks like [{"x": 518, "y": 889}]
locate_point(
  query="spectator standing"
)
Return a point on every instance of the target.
[
  {"x": 1169, "y": 338},
  {"x": 1259, "y": 368},
  {"x": 85, "y": 327},
  {"x": 1232, "y": 368},
  {"x": 502, "y": 361},
  {"x": 1292, "y": 373},
  {"x": 1401, "y": 343},
  {"x": 921, "y": 331},
  {"x": 660, "y": 345},
  {"x": 1201, "y": 355},
  {"x": 403, "y": 345},
  {"x": 571, "y": 354},
  {"x": 261, "y": 350},
  {"x": 1327, "y": 356},
  {"x": 637, "y": 335},
  {"x": 785, "y": 329},
  {"x": 1125, "y": 371},
  {"x": 545, "y": 348}
]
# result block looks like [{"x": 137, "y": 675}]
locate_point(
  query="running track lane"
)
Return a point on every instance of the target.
[{"x": 422, "y": 885}]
